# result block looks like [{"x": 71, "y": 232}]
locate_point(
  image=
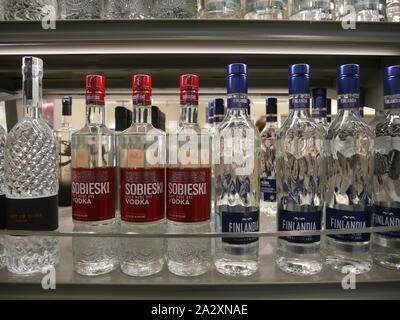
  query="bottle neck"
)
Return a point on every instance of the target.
[
  {"x": 299, "y": 105},
  {"x": 141, "y": 114},
  {"x": 189, "y": 114},
  {"x": 32, "y": 112},
  {"x": 95, "y": 114},
  {"x": 349, "y": 105},
  {"x": 32, "y": 95},
  {"x": 238, "y": 105},
  {"x": 66, "y": 121}
]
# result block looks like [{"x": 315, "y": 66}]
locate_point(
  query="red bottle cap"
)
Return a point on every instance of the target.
[
  {"x": 141, "y": 89},
  {"x": 189, "y": 84},
  {"x": 95, "y": 89}
]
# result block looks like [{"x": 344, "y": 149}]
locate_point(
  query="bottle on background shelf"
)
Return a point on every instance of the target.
[
  {"x": 237, "y": 150},
  {"x": 3, "y": 138},
  {"x": 349, "y": 198},
  {"x": 219, "y": 112},
  {"x": 386, "y": 245},
  {"x": 393, "y": 10},
  {"x": 300, "y": 182},
  {"x": 319, "y": 107},
  {"x": 126, "y": 9},
  {"x": 31, "y": 172},
  {"x": 142, "y": 185},
  {"x": 34, "y": 10},
  {"x": 313, "y": 10},
  {"x": 328, "y": 111},
  {"x": 364, "y": 10},
  {"x": 266, "y": 9},
  {"x": 93, "y": 186},
  {"x": 121, "y": 119},
  {"x": 210, "y": 116},
  {"x": 268, "y": 171},
  {"x": 189, "y": 186},
  {"x": 220, "y": 9},
  {"x": 63, "y": 136},
  {"x": 173, "y": 9},
  {"x": 80, "y": 9}
]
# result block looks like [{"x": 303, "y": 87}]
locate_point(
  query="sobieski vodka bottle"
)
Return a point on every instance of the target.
[
  {"x": 3, "y": 138},
  {"x": 301, "y": 167},
  {"x": 63, "y": 136},
  {"x": 220, "y": 9},
  {"x": 386, "y": 245},
  {"x": 350, "y": 144},
  {"x": 189, "y": 186},
  {"x": 31, "y": 171},
  {"x": 93, "y": 186},
  {"x": 266, "y": 9},
  {"x": 268, "y": 172},
  {"x": 237, "y": 150},
  {"x": 142, "y": 195},
  {"x": 319, "y": 106}
]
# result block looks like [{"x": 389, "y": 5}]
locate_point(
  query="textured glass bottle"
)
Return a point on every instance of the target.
[
  {"x": 386, "y": 245},
  {"x": 266, "y": 9},
  {"x": 268, "y": 171},
  {"x": 126, "y": 9},
  {"x": 31, "y": 170},
  {"x": 350, "y": 144},
  {"x": 393, "y": 10},
  {"x": 319, "y": 107},
  {"x": 237, "y": 150},
  {"x": 93, "y": 186},
  {"x": 80, "y": 9},
  {"x": 63, "y": 135},
  {"x": 28, "y": 10},
  {"x": 220, "y": 9},
  {"x": 300, "y": 168},
  {"x": 189, "y": 186},
  {"x": 3, "y": 137},
  {"x": 313, "y": 10},
  {"x": 142, "y": 178},
  {"x": 173, "y": 9},
  {"x": 365, "y": 10}
]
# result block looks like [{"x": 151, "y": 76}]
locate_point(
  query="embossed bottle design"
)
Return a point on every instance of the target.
[
  {"x": 142, "y": 185},
  {"x": 3, "y": 138},
  {"x": 31, "y": 171},
  {"x": 93, "y": 186},
  {"x": 189, "y": 186}
]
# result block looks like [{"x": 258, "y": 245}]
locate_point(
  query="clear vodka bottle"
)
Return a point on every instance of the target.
[
  {"x": 126, "y": 9},
  {"x": 319, "y": 107},
  {"x": 220, "y": 9},
  {"x": 93, "y": 186},
  {"x": 80, "y": 9},
  {"x": 63, "y": 135},
  {"x": 142, "y": 195},
  {"x": 301, "y": 168},
  {"x": 237, "y": 151},
  {"x": 173, "y": 9},
  {"x": 268, "y": 171},
  {"x": 393, "y": 10},
  {"x": 28, "y": 10},
  {"x": 386, "y": 245},
  {"x": 370, "y": 10},
  {"x": 31, "y": 171},
  {"x": 349, "y": 201},
  {"x": 266, "y": 9},
  {"x": 3, "y": 138},
  {"x": 312, "y": 10},
  {"x": 189, "y": 186}
]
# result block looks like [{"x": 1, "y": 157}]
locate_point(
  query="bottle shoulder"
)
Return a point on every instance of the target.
[
  {"x": 146, "y": 129},
  {"x": 350, "y": 127},
  {"x": 32, "y": 126},
  {"x": 94, "y": 130},
  {"x": 301, "y": 127}
]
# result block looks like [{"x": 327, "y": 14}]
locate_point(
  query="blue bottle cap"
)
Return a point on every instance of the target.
[
  {"x": 237, "y": 78},
  {"x": 271, "y": 106},
  {"x": 319, "y": 98},
  {"x": 219, "y": 107},
  {"x": 348, "y": 79},
  {"x": 210, "y": 112},
  {"x": 299, "y": 78},
  {"x": 392, "y": 80}
]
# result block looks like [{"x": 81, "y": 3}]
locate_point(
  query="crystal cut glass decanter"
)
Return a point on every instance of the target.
[
  {"x": 126, "y": 9},
  {"x": 28, "y": 9},
  {"x": 80, "y": 9},
  {"x": 220, "y": 9},
  {"x": 3, "y": 137},
  {"x": 173, "y": 9}
]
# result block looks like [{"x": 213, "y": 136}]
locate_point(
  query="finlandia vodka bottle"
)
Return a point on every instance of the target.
[
  {"x": 312, "y": 10},
  {"x": 189, "y": 186},
  {"x": 219, "y": 112},
  {"x": 31, "y": 171},
  {"x": 350, "y": 144},
  {"x": 319, "y": 107},
  {"x": 210, "y": 116},
  {"x": 386, "y": 245},
  {"x": 63, "y": 136},
  {"x": 93, "y": 186},
  {"x": 3, "y": 138},
  {"x": 268, "y": 172},
  {"x": 237, "y": 150},
  {"x": 300, "y": 179},
  {"x": 393, "y": 10},
  {"x": 220, "y": 9},
  {"x": 142, "y": 179},
  {"x": 266, "y": 9}
]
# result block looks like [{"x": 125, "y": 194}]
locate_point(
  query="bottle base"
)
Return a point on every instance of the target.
[
  {"x": 388, "y": 261},
  {"x": 142, "y": 269},
  {"x": 236, "y": 268},
  {"x": 299, "y": 267},
  {"x": 188, "y": 270},
  {"x": 346, "y": 265},
  {"x": 95, "y": 268}
]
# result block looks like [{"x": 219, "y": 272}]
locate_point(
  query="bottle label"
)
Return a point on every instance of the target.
[
  {"x": 268, "y": 189},
  {"x": 189, "y": 194},
  {"x": 391, "y": 103},
  {"x": 93, "y": 194},
  {"x": 238, "y": 103},
  {"x": 299, "y": 103},
  {"x": 235, "y": 222},
  {"x": 348, "y": 103},
  {"x": 40, "y": 214},
  {"x": 299, "y": 221},
  {"x": 142, "y": 194},
  {"x": 345, "y": 219},
  {"x": 387, "y": 217},
  {"x": 95, "y": 97}
]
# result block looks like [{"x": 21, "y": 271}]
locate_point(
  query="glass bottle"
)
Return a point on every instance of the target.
[
  {"x": 370, "y": 10},
  {"x": 63, "y": 136},
  {"x": 219, "y": 112},
  {"x": 189, "y": 186},
  {"x": 319, "y": 107},
  {"x": 80, "y": 9},
  {"x": 31, "y": 172},
  {"x": 3, "y": 138},
  {"x": 142, "y": 185},
  {"x": 173, "y": 9},
  {"x": 386, "y": 245},
  {"x": 237, "y": 150},
  {"x": 93, "y": 186},
  {"x": 266, "y": 9},
  {"x": 126, "y": 9},
  {"x": 310, "y": 10},
  {"x": 220, "y": 9},
  {"x": 268, "y": 170},
  {"x": 300, "y": 181},
  {"x": 349, "y": 198},
  {"x": 36, "y": 10},
  {"x": 393, "y": 10},
  {"x": 328, "y": 112}
]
